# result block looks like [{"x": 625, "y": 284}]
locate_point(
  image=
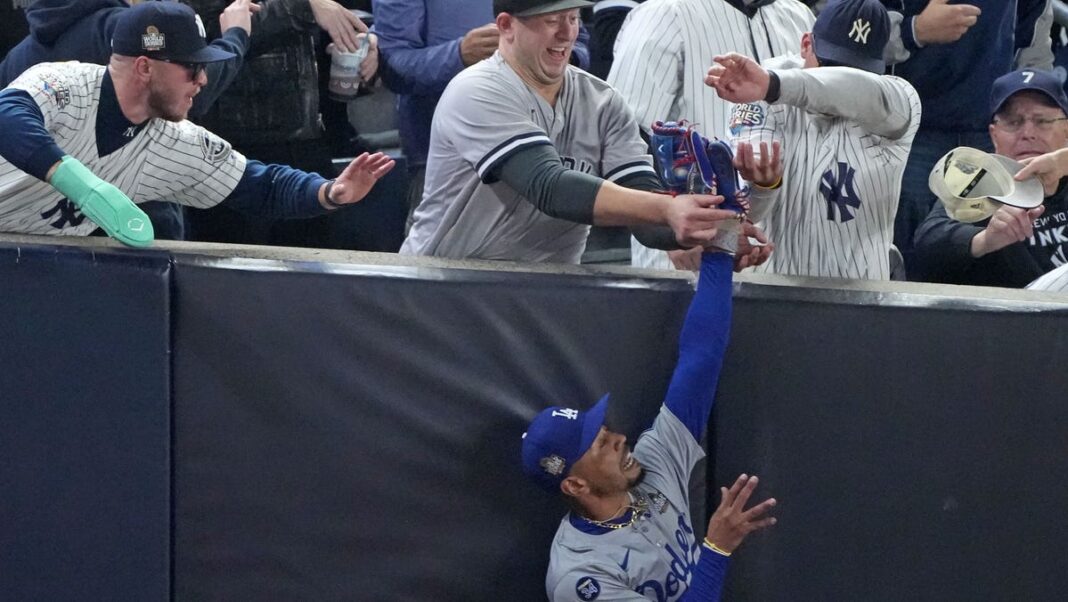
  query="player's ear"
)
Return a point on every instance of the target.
[
  {"x": 806, "y": 45},
  {"x": 142, "y": 67},
  {"x": 573, "y": 486},
  {"x": 505, "y": 23}
]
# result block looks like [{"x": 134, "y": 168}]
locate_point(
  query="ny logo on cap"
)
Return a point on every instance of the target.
[
  {"x": 860, "y": 31},
  {"x": 566, "y": 413},
  {"x": 152, "y": 39},
  {"x": 553, "y": 465}
]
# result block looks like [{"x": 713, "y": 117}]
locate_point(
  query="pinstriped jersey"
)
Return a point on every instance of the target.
[
  {"x": 664, "y": 50},
  {"x": 486, "y": 115},
  {"x": 1055, "y": 280},
  {"x": 164, "y": 161},
  {"x": 845, "y": 137}
]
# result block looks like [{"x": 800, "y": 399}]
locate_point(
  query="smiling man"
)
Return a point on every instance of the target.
[
  {"x": 628, "y": 535},
  {"x": 527, "y": 151},
  {"x": 1015, "y": 246},
  {"x": 80, "y": 141}
]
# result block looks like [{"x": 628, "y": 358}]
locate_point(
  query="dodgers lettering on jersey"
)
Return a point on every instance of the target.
[
  {"x": 656, "y": 555},
  {"x": 486, "y": 115},
  {"x": 664, "y": 50},
  {"x": 843, "y": 158},
  {"x": 164, "y": 161}
]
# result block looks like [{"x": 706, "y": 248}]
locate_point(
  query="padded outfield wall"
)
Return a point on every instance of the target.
[{"x": 290, "y": 425}]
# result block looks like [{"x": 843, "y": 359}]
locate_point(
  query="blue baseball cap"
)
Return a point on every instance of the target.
[
  {"x": 165, "y": 31},
  {"x": 1046, "y": 82},
  {"x": 556, "y": 439},
  {"x": 852, "y": 33}
]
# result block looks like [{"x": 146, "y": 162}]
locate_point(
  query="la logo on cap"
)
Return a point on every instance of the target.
[
  {"x": 860, "y": 31},
  {"x": 153, "y": 39}
]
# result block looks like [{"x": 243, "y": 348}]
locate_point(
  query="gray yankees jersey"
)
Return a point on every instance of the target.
[
  {"x": 650, "y": 559},
  {"x": 664, "y": 50},
  {"x": 164, "y": 161},
  {"x": 486, "y": 115},
  {"x": 845, "y": 137},
  {"x": 1055, "y": 280}
]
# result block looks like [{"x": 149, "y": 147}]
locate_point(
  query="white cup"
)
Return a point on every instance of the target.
[{"x": 345, "y": 71}]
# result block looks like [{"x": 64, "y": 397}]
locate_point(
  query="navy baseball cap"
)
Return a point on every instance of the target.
[
  {"x": 1046, "y": 82},
  {"x": 852, "y": 33},
  {"x": 556, "y": 439},
  {"x": 529, "y": 8},
  {"x": 164, "y": 31}
]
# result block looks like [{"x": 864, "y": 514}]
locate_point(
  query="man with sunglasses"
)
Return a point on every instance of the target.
[
  {"x": 82, "y": 140},
  {"x": 1014, "y": 246}
]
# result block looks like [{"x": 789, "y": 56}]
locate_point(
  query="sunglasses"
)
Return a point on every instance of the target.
[{"x": 194, "y": 69}]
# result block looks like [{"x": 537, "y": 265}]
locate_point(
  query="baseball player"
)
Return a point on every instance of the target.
[
  {"x": 526, "y": 152},
  {"x": 82, "y": 140},
  {"x": 848, "y": 130},
  {"x": 628, "y": 535},
  {"x": 663, "y": 52}
]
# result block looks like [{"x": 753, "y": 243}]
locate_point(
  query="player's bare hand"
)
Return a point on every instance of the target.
[
  {"x": 479, "y": 43},
  {"x": 753, "y": 247},
  {"x": 238, "y": 14},
  {"x": 738, "y": 78},
  {"x": 694, "y": 218},
  {"x": 943, "y": 23},
  {"x": 1008, "y": 225},
  {"x": 1048, "y": 168},
  {"x": 338, "y": 22},
  {"x": 360, "y": 177},
  {"x": 765, "y": 170},
  {"x": 687, "y": 259},
  {"x": 731, "y": 522},
  {"x": 369, "y": 66}
]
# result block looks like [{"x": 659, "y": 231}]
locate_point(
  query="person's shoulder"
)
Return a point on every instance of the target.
[
  {"x": 790, "y": 60},
  {"x": 188, "y": 139},
  {"x": 794, "y": 8}
]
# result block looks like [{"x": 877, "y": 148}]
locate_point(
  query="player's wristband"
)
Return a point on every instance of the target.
[
  {"x": 773, "y": 87},
  {"x": 774, "y": 186},
  {"x": 718, "y": 550},
  {"x": 326, "y": 197}
]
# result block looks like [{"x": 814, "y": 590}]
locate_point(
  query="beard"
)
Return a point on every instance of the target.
[
  {"x": 163, "y": 107},
  {"x": 637, "y": 479}
]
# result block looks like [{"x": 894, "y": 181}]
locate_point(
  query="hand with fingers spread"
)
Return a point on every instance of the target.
[
  {"x": 943, "y": 23},
  {"x": 338, "y": 22},
  {"x": 738, "y": 78},
  {"x": 357, "y": 180},
  {"x": 765, "y": 171},
  {"x": 750, "y": 254},
  {"x": 479, "y": 43},
  {"x": 238, "y": 14},
  {"x": 1048, "y": 168},
  {"x": 1008, "y": 225},
  {"x": 731, "y": 522},
  {"x": 694, "y": 218}
]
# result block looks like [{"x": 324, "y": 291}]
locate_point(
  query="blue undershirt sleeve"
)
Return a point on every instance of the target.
[
  {"x": 26, "y": 143},
  {"x": 702, "y": 344},
  {"x": 276, "y": 192},
  {"x": 222, "y": 73},
  {"x": 706, "y": 585}
]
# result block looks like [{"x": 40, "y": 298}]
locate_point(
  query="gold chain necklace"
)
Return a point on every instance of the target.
[{"x": 637, "y": 509}]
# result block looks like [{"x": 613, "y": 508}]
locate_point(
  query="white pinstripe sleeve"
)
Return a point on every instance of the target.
[
  {"x": 189, "y": 165},
  {"x": 648, "y": 62},
  {"x": 63, "y": 91},
  {"x": 1055, "y": 280}
]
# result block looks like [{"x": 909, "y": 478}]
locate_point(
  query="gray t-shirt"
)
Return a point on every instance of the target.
[{"x": 486, "y": 115}]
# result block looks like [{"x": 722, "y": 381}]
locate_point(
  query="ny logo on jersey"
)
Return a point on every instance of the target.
[
  {"x": 860, "y": 31},
  {"x": 838, "y": 190},
  {"x": 68, "y": 214}
]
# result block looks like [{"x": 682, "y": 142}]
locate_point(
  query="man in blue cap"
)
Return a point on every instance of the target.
[
  {"x": 1029, "y": 119},
  {"x": 82, "y": 140},
  {"x": 845, "y": 130},
  {"x": 628, "y": 533}
]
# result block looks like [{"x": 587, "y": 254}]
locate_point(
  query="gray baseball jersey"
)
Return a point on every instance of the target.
[
  {"x": 664, "y": 50},
  {"x": 845, "y": 137},
  {"x": 1055, "y": 280},
  {"x": 486, "y": 115},
  {"x": 164, "y": 161},
  {"x": 650, "y": 559}
]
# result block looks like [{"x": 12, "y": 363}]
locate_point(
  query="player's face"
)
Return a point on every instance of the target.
[
  {"x": 608, "y": 466},
  {"x": 542, "y": 45},
  {"x": 1027, "y": 126},
  {"x": 172, "y": 88}
]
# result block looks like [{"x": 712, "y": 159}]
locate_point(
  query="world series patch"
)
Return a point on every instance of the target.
[
  {"x": 54, "y": 87},
  {"x": 746, "y": 115},
  {"x": 587, "y": 588}
]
